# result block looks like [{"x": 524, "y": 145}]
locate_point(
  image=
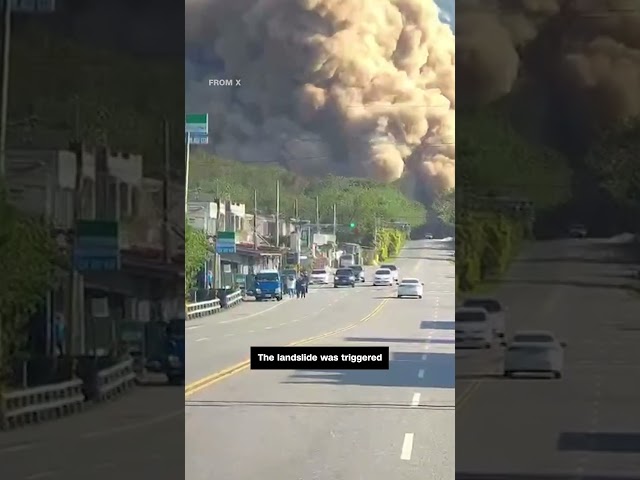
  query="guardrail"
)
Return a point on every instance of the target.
[
  {"x": 234, "y": 298},
  {"x": 115, "y": 380},
  {"x": 32, "y": 405},
  {"x": 209, "y": 307},
  {"x": 202, "y": 309}
]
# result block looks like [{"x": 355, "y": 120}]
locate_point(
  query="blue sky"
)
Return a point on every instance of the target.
[{"x": 447, "y": 12}]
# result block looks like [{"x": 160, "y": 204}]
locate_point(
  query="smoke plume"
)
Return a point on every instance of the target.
[
  {"x": 351, "y": 87},
  {"x": 586, "y": 51}
]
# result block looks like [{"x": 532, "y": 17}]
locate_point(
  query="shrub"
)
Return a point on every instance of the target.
[{"x": 485, "y": 245}]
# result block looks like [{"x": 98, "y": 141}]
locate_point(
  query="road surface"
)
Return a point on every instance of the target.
[
  {"x": 339, "y": 425},
  {"x": 140, "y": 435},
  {"x": 585, "y": 425}
]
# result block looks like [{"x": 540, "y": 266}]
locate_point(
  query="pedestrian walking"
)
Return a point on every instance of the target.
[
  {"x": 59, "y": 331},
  {"x": 291, "y": 286},
  {"x": 298, "y": 287},
  {"x": 305, "y": 285}
]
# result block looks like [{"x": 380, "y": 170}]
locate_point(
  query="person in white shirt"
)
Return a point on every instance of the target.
[{"x": 291, "y": 286}]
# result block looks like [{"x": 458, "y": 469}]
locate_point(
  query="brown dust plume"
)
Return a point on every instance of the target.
[{"x": 350, "y": 87}]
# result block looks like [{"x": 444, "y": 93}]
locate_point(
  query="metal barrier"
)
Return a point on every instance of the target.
[
  {"x": 202, "y": 309},
  {"x": 32, "y": 405},
  {"x": 115, "y": 380},
  {"x": 234, "y": 298}
]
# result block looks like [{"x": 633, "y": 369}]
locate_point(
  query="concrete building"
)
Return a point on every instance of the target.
[{"x": 111, "y": 187}]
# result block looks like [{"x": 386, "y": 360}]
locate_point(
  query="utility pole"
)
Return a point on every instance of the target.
[
  {"x": 216, "y": 255},
  {"x": 297, "y": 231},
  {"x": 255, "y": 219},
  {"x": 165, "y": 193},
  {"x": 72, "y": 320},
  {"x": 317, "y": 215},
  {"x": 4, "y": 99},
  {"x": 375, "y": 234},
  {"x": 335, "y": 220},
  {"x": 186, "y": 176},
  {"x": 278, "y": 213}
]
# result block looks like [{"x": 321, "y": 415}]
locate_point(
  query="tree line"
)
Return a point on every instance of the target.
[{"x": 495, "y": 160}]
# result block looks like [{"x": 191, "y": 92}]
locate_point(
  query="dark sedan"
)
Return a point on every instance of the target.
[{"x": 344, "y": 277}]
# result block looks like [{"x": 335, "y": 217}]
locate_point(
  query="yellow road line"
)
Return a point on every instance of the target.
[
  {"x": 209, "y": 380},
  {"x": 467, "y": 393}
]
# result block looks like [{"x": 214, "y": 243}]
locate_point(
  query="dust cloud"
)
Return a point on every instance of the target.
[
  {"x": 587, "y": 51},
  {"x": 350, "y": 87}
]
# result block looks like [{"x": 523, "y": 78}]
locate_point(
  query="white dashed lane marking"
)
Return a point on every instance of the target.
[{"x": 407, "y": 447}]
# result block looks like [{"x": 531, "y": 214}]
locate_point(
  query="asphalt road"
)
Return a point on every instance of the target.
[
  {"x": 339, "y": 425},
  {"x": 585, "y": 425},
  {"x": 140, "y": 435}
]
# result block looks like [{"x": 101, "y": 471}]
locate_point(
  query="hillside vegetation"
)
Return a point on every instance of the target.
[
  {"x": 494, "y": 161},
  {"x": 358, "y": 201}
]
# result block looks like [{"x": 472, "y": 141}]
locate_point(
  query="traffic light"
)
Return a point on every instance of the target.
[{"x": 352, "y": 225}]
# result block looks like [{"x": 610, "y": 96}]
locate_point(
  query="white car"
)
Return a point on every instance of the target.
[
  {"x": 319, "y": 277},
  {"x": 410, "y": 287},
  {"x": 393, "y": 269},
  {"x": 534, "y": 352},
  {"x": 473, "y": 328},
  {"x": 577, "y": 230},
  {"x": 382, "y": 276},
  {"x": 496, "y": 313}
]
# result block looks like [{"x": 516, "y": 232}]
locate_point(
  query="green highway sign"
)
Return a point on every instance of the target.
[
  {"x": 226, "y": 242},
  {"x": 197, "y": 123},
  {"x": 97, "y": 246}
]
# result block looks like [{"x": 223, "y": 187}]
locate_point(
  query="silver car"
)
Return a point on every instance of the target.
[
  {"x": 473, "y": 328},
  {"x": 496, "y": 312},
  {"x": 534, "y": 352}
]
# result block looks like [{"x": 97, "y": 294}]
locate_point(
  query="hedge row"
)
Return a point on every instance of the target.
[
  {"x": 389, "y": 242},
  {"x": 485, "y": 245}
]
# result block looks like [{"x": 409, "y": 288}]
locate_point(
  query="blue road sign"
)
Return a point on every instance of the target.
[{"x": 198, "y": 139}]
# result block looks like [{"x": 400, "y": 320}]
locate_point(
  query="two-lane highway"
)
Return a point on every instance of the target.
[
  {"x": 584, "y": 425},
  {"x": 335, "y": 424}
]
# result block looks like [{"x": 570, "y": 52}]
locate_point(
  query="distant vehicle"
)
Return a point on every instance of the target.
[
  {"x": 473, "y": 328},
  {"x": 496, "y": 312},
  {"x": 344, "y": 277},
  {"x": 534, "y": 352},
  {"x": 577, "y": 230},
  {"x": 354, "y": 249},
  {"x": 174, "y": 364},
  {"x": 429, "y": 236},
  {"x": 288, "y": 272},
  {"x": 394, "y": 270},
  {"x": 347, "y": 260},
  {"x": 383, "y": 276},
  {"x": 410, "y": 287},
  {"x": 268, "y": 285},
  {"x": 358, "y": 272},
  {"x": 319, "y": 277}
]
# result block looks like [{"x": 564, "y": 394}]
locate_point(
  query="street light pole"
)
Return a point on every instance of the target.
[
  {"x": 186, "y": 177},
  {"x": 4, "y": 99}
]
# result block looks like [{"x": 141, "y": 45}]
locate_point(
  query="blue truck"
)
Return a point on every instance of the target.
[
  {"x": 174, "y": 360},
  {"x": 268, "y": 285}
]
